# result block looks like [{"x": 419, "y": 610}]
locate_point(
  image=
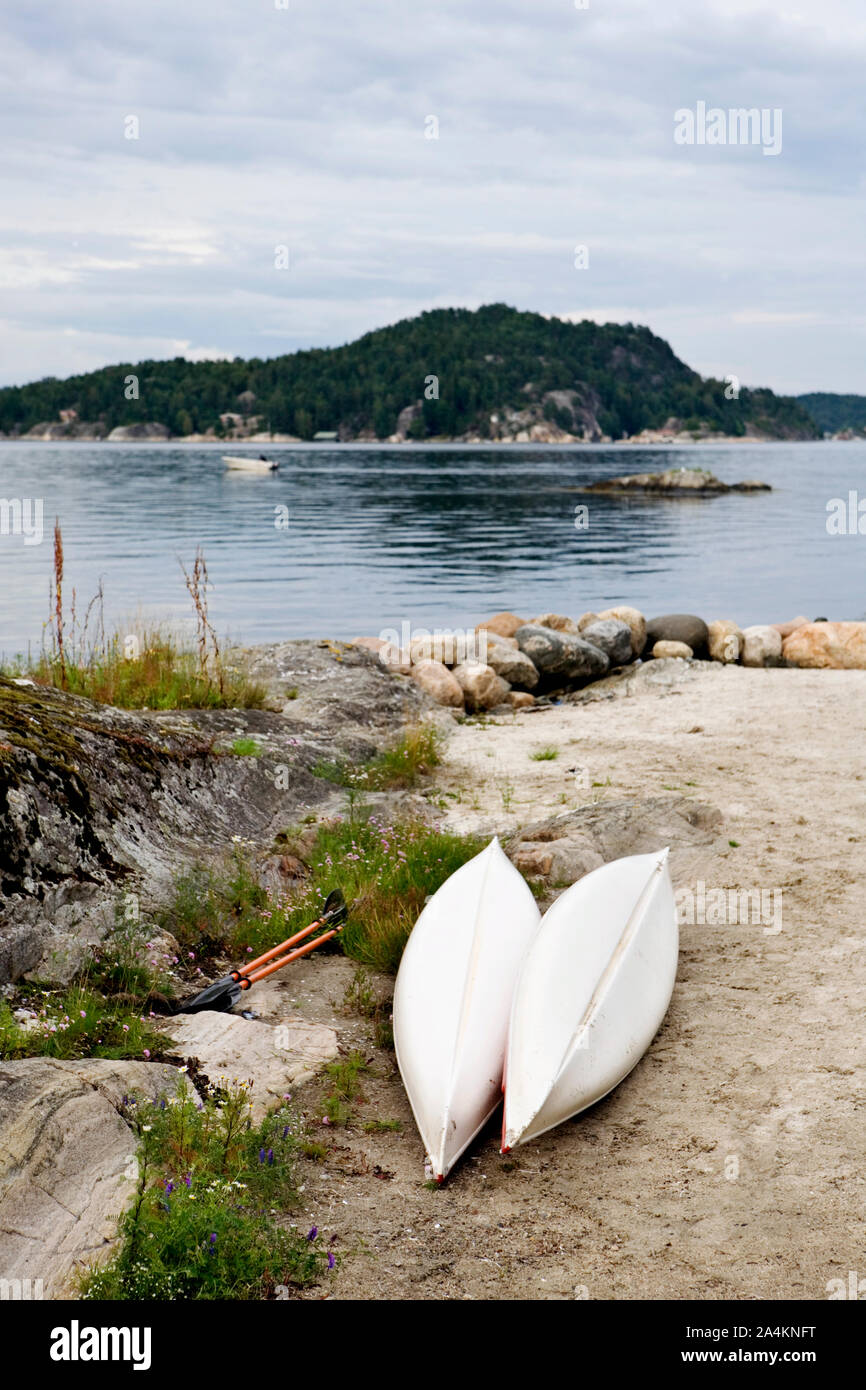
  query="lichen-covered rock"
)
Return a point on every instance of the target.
[
  {"x": 762, "y": 646},
  {"x": 612, "y": 637},
  {"x": 680, "y": 651},
  {"x": 635, "y": 621},
  {"x": 482, "y": 688},
  {"x": 724, "y": 640},
  {"x": 560, "y": 656},
  {"x": 435, "y": 678},
  {"x": 840, "y": 646},
  {"x": 96, "y": 802}
]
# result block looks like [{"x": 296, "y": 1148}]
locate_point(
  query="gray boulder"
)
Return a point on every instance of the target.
[
  {"x": 561, "y": 656},
  {"x": 511, "y": 664},
  {"x": 612, "y": 637},
  {"x": 678, "y": 627}
]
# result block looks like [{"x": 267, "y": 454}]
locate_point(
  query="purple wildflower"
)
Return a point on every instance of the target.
[
  {"x": 331, "y": 1260},
  {"x": 312, "y": 1233}
]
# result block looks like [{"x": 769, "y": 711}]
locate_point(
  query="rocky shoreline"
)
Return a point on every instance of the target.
[
  {"x": 509, "y": 663},
  {"x": 515, "y": 427}
]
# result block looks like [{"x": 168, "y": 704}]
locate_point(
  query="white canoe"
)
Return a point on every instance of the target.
[
  {"x": 592, "y": 993},
  {"x": 453, "y": 997},
  {"x": 247, "y": 464}
]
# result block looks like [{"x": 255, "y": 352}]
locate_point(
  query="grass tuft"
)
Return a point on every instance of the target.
[
  {"x": 104, "y": 1012},
  {"x": 386, "y": 870},
  {"x": 412, "y": 757},
  {"x": 143, "y": 668},
  {"x": 246, "y": 748},
  {"x": 345, "y": 1087}
]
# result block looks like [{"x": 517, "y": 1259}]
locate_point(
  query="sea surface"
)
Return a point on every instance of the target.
[{"x": 350, "y": 540}]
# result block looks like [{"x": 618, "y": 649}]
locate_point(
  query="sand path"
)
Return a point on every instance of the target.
[{"x": 729, "y": 1164}]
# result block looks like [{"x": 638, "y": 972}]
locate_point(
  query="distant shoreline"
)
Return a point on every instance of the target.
[{"x": 634, "y": 441}]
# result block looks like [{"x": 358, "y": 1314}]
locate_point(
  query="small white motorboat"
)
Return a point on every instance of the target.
[
  {"x": 593, "y": 990},
  {"x": 245, "y": 463},
  {"x": 452, "y": 1000}
]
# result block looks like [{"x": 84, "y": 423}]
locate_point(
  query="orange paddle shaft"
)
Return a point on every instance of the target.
[
  {"x": 275, "y": 951},
  {"x": 255, "y": 975}
]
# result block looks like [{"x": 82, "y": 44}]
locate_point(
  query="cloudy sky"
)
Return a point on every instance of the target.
[{"x": 261, "y": 126}]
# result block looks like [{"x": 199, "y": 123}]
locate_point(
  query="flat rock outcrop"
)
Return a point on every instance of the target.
[
  {"x": 274, "y": 1057},
  {"x": 689, "y": 481},
  {"x": 565, "y": 847},
  {"x": 68, "y": 1165}
]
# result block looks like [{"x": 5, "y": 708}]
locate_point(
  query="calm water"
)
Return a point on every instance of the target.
[{"x": 434, "y": 536}]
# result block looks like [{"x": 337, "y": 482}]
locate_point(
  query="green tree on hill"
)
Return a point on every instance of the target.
[{"x": 487, "y": 360}]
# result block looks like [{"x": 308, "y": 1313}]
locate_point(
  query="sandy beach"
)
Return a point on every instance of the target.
[{"x": 728, "y": 1164}]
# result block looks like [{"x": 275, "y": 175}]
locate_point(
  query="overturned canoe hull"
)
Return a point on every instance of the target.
[
  {"x": 452, "y": 1000},
  {"x": 591, "y": 995}
]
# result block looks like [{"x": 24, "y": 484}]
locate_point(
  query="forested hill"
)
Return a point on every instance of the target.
[
  {"x": 498, "y": 372},
  {"x": 833, "y": 413}
]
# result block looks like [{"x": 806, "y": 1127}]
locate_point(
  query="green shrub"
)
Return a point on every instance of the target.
[{"x": 208, "y": 1217}]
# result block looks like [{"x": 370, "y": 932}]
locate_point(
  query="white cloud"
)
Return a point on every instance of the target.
[{"x": 305, "y": 127}]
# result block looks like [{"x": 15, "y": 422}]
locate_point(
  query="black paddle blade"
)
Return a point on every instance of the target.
[
  {"x": 335, "y": 910},
  {"x": 219, "y": 996}
]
